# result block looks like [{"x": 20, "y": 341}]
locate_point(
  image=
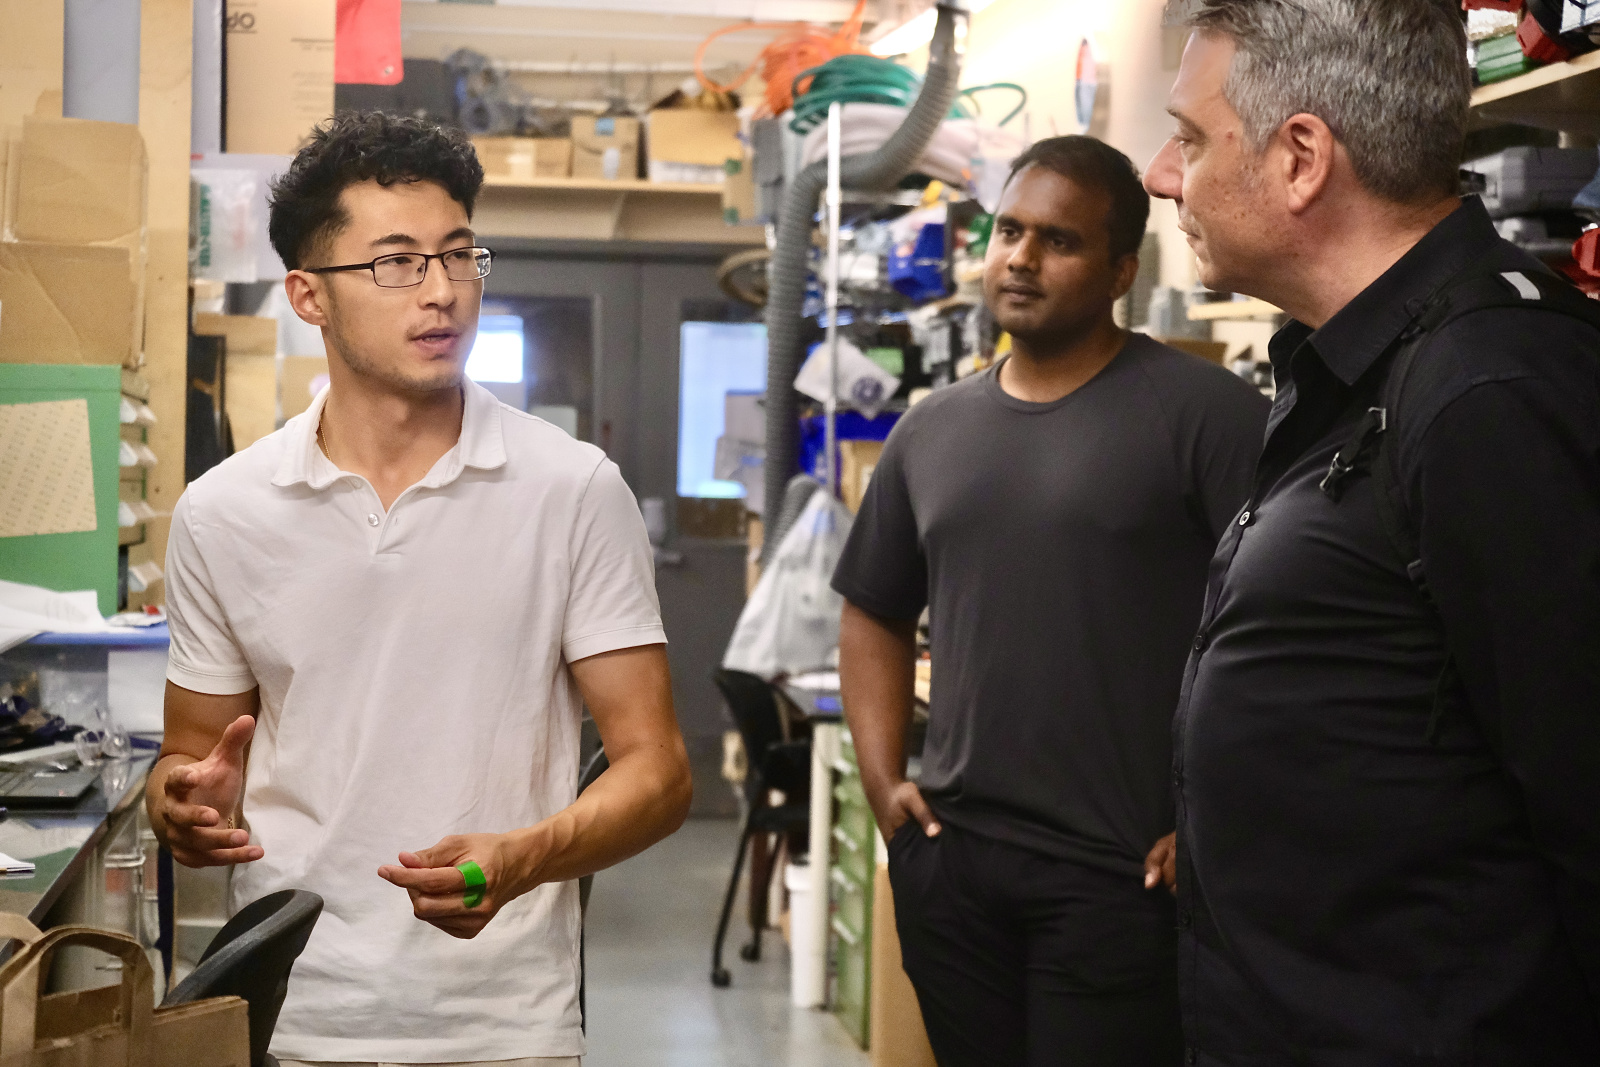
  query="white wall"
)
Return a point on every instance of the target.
[{"x": 1035, "y": 43}]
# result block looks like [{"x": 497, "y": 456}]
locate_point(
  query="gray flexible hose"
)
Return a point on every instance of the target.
[{"x": 875, "y": 170}]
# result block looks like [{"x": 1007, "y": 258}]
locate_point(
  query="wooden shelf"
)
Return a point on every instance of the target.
[
  {"x": 1233, "y": 309},
  {"x": 1561, "y": 96},
  {"x": 583, "y": 209},
  {"x": 621, "y": 185}
]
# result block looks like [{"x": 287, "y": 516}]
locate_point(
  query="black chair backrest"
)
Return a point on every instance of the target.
[
  {"x": 598, "y": 765},
  {"x": 251, "y": 957},
  {"x": 755, "y": 710}
]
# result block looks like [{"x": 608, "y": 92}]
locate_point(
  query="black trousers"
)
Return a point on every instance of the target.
[{"x": 1023, "y": 960}]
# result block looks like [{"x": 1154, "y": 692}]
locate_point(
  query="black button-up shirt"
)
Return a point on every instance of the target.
[{"x": 1352, "y": 890}]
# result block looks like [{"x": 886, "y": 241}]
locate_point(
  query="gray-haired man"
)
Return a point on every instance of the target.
[{"x": 1388, "y": 745}]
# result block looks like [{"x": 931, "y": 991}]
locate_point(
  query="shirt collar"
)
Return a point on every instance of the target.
[
  {"x": 481, "y": 445},
  {"x": 1351, "y": 341}
]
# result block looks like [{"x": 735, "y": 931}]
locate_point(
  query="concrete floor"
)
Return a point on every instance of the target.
[{"x": 651, "y": 1002}]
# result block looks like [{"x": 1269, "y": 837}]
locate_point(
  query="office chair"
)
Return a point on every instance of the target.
[
  {"x": 775, "y": 763},
  {"x": 250, "y": 958}
]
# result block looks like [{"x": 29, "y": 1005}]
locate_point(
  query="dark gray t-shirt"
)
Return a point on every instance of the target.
[{"x": 1062, "y": 551}]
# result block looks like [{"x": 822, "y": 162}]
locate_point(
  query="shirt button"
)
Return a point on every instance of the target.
[
  {"x": 1201, "y": 641},
  {"x": 1245, "y": 517},
  {"x": 1186, "y": 919},
  {"x": 1191, "y": 1056},
  {"x": 372, "y": 519}
]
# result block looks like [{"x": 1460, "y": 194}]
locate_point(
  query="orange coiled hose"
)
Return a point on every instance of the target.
[{"x": 800, "y": 47}]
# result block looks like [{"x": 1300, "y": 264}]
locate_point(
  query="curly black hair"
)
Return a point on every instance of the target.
[
  {"x": 1091, "y": 162},
  {"x": 357, "y": 146}
]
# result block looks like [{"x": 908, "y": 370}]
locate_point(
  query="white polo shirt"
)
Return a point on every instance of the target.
[{"x": 414, "y": 684}]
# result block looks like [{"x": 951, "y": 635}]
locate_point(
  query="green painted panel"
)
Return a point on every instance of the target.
[{"x": 86, "y": 560}]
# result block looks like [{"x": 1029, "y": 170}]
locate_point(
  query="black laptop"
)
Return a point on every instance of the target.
[{"x": 45, "y": 785}]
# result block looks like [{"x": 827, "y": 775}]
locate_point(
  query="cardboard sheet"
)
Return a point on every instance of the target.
[
  {"x": 78, "y": 182},
  {"x": 280, "y": 56},
  {"x": 46, "y": 475},
  {"x": 81, "y": 182},
  {"x": 31, "y": 49},
  {"x": 66, "y": 304},
  {"x": 252, "y": 397}
]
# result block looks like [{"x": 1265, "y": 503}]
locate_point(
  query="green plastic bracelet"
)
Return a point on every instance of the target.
[{"x": 475, "y": 884}]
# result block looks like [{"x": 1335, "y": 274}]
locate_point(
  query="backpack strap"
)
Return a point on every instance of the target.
[{"x": 1371, "y": 447}]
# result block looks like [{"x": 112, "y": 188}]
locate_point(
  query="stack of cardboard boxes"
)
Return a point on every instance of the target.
[
  {"x": 683, "y": 145},
  {"x": 73, "y": 235},
  {"x": 72, "y": 243}
]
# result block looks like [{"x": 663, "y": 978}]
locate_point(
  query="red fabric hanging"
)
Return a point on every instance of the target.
[{"x": 366, "y": 43}]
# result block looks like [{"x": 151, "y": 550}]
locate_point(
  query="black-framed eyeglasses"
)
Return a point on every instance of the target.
[{"x": 405, "y": 269}]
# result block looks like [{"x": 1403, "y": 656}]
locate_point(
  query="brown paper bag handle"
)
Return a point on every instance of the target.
[
  {"x": 22, "y": 981},
  {"x": 14, "y": 927}
]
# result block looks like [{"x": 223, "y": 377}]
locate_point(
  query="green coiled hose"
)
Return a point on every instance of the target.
[{"x": 861, "y": 79}]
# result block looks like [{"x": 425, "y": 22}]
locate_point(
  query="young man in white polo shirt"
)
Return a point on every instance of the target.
[{"x": 386, "y": 618}]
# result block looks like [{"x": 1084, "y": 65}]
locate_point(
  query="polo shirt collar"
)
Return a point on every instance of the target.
[
  {"x": 481, "y": 445},
  {"x": 1351, "y": 341}
]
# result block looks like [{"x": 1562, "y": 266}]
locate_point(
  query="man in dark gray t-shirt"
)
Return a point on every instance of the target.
[{"x": 1056, "y": 513}]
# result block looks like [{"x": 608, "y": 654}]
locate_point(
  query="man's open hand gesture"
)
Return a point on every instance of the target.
[{"x": 200, "y": 801}]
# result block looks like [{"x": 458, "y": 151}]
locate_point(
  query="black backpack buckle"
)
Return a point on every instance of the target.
[{"x": 1355, "y": 453}]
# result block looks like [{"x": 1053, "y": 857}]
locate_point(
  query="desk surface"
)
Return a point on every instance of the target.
[
  {"x": 817, "y": 705},
  {"x": 123, "y": 637},
  {"x": 821, "y": 703},
  {"x": 60, "y": 841}
]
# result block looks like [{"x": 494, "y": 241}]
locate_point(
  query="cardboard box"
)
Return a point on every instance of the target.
[
  {"x": 248, "y": 335},
  {"x": 279, "y": 56},
  {"x": 857, "y": 461},
  {"x": 252, "y": 397},
  {"x": 66, "y": 304},
  {"x": 79, "y": 182},
  {"x": 31, "y": 50},
  {"x": 692, "y": 144},
  {"x": 524, "y": 158},
  {"x": 898, "y": 1037},
  {"x": 606, "y": 148},
  {"x": 1212, "y": 350},
  {"x": 300, "y": 376}
]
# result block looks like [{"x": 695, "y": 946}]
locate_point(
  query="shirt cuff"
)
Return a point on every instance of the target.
[
  {"x": 611, "y": 640},
  {"x": 219, "y": 682}
]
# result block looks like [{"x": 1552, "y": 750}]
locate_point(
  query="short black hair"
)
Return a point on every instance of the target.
[
  {"x": 1091, "y": 162},
  {"x": 358, "y": 146}
]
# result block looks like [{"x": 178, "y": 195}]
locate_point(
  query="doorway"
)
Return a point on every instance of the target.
[{"x": 602, "y": 335}]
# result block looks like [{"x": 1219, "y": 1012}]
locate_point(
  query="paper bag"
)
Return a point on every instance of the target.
[{"x": 115, "y": 1026}]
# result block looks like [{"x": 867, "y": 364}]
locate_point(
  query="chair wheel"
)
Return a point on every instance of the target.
[
  {"x": 750, "y": 952},
  {"x": 721, "y": 978}
]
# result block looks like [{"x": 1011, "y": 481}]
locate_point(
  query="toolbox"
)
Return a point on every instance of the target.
[{"x": 1526, "y": 181}]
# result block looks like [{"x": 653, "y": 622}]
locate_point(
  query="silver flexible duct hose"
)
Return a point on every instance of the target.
[{"x": 876, "y": 170}]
